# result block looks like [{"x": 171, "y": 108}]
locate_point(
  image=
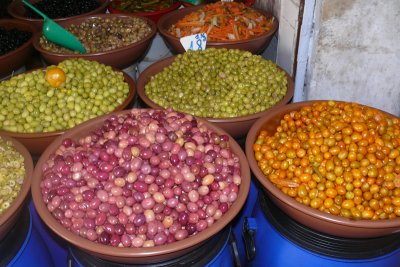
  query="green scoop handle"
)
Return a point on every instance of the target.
[{"x": 57, "y": 34}]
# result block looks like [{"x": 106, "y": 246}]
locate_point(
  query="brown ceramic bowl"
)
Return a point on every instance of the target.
[
  {"x": 237, "y": 126},
  {"x": 312, "y": 218},
  {"x": 11, "y": 215},
  {"x": 134, "y": 255},
  {"x": 17, "y": 9},
  {"x": 17, "y": 58},
  {"x": 119, "y": 58},
  {"x": 36, "y": 143},
  {"x": 254, "y": 45},
  {"x": 154, "y": 16}
]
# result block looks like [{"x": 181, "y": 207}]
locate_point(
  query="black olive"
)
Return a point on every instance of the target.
[
  {"x": 11, "y": 39},
  {"x": 55, "y": 9}
]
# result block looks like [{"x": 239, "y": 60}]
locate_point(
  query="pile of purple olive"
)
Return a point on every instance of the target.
[{"x": 144, "y": 178}]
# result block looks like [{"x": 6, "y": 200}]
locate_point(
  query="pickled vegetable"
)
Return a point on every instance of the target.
[
  {"x": 224, "y": 21},
  {"x": 340, "y": 158}
]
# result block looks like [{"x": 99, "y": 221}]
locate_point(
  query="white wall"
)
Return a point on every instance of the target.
[{"x": 355, "y": 54}]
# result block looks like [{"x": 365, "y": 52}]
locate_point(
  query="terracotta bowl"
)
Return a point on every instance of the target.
[
  {"x": 154, "y": 16},
  {"x": 312, "y": 218},
  {"x": 36, "y": 143},
  {"x": 11, "y": 215},
  {"x": 18, "y": 9},
  {"x": 254, "y": 45},
  {"x": 17, "y": 58},
  {"x": 135, "y": 255},
  {"x": 119, "y": 58},
  {"x": 237, "y": 126}
]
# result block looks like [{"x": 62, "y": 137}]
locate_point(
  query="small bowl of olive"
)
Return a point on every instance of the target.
[
  {"x": 57, "y": 10},
  {"x": 117, "y": 40},
  {"x": 16, "y": 170},
  {"x": 153, "y": 10},
  {"x": 332, "y": 166},
  {"x": 16, "y": 45},
  {"x": 43, "y": 103},
  {"x": 229, "y": 87}
]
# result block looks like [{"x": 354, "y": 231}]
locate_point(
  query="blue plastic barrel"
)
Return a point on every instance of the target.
[
  {"x": 23, "y": 246},
  {"x": 216, "y": 252},
  {"x": 275, "y": 239},
  {"x": 237, "y": 223},
  {"x": 57, "y": 246}
]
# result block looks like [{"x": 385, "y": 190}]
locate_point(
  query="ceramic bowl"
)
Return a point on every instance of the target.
[
  {"x": 312, "y": 218},
  {"x": 254, "y": 45},
  {"x": 236, "y": 126},
  {"x": 135, "y": 255},
  {"x": 36, "y": 143},
  {"x": 119, "y": 58},
  {"x": 11, "y": 215},
  {"x": 17, "y": 58},
  {"x": 17, "y": 9}
]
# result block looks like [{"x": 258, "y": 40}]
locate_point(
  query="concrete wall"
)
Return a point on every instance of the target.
[
  {"x": 282, "y": 48},
  {"x": 355, "y": 53}
]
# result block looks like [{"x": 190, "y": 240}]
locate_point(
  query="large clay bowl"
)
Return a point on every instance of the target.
[
  {"x": 11, "y": 215},
  {"x": 120, "y": 58},
  {"x": 254, "y": 45},
  {"x": 36, "y": 143},
  {"x": 17, "y": 9},
  {"x": 236, "y": 126},
  {"x": 154, "y": 16},
  {"x": 135, "y": 255},
  {"x": 312, "y": 218},
  {"x": 17, "y": 58}
]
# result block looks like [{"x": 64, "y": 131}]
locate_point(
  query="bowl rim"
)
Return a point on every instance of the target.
[
  {"x": 147, "y": 38},
  {"x": 15, "y": 3},
  {"x": 25, "y": 188},
  {"x": 129, "y": 252},
  {"x": 187, "y": 10},
  {"x": 16, "y": 24},
  {"x": 129, "y": 98},
  {"x": 276, "y": 192},
  {"x": 145, "y": 76},
  {"x": 154, "y": 13}
]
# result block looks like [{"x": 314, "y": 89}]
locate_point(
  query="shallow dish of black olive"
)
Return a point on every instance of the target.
[
  {"x": 15, "y": 45},
  {"x": 56, "y": 9}
]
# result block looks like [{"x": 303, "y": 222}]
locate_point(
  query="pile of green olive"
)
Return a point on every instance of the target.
[
  {"x": 28, "y": 104},
  {"x": 218, "y": 83},
  {"x": 12, "y": 174}
]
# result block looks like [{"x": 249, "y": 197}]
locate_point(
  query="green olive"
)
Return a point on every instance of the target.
[
  {"x": 218, "y": 83},
  {"x": 35, "y": 107}
]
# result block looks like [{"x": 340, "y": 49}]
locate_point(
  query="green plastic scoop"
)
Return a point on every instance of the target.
[{"x": 57, "y": 34}]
